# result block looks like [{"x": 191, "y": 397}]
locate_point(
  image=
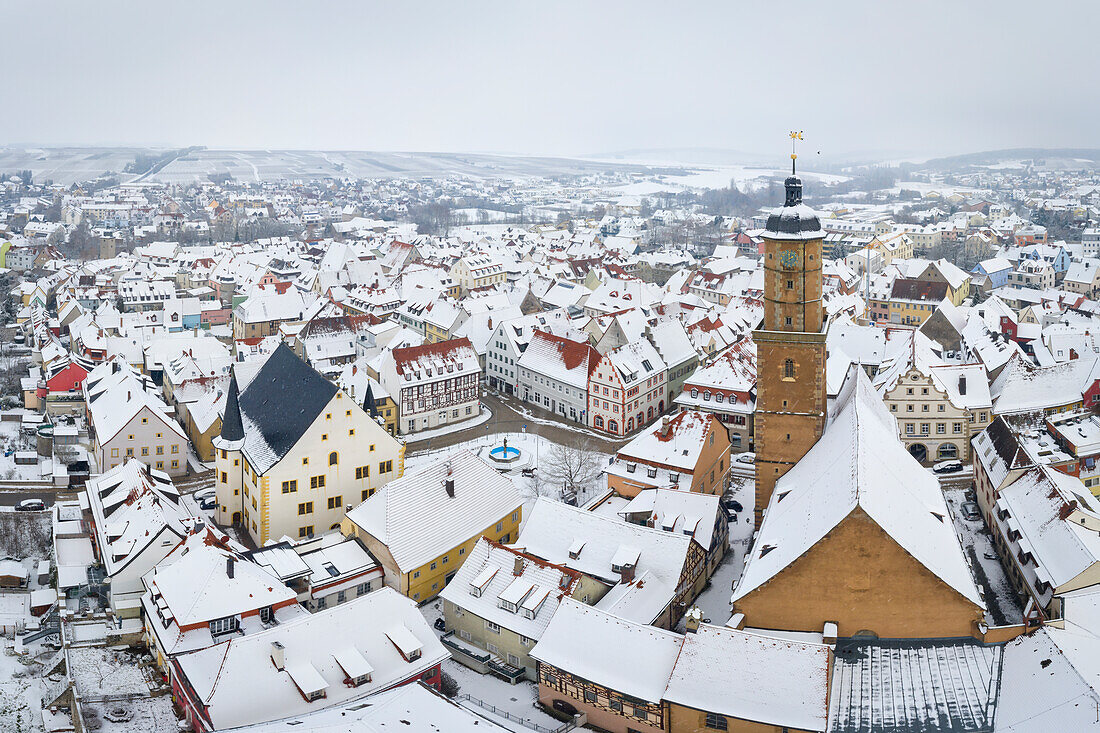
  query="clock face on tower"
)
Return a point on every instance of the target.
[{"x": 788, "y": 258}]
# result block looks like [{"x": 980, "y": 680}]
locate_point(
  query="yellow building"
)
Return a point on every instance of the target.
[
  {"x": 477, "y": 271},
  {"x": 422, "y": 526},
  {"x": 295, "y": 451}
]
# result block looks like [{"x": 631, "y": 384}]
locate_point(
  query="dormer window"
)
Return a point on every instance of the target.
[
  {"x": 651, "y": 472},
  {"x": 631, "y": 467}
]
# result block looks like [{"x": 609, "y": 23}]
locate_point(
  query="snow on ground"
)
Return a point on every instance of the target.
[
  {"x": 533, "y": 448},
  {"x": 1000, "y": 597},
  {"x": 12, "y": 440},
  {"x": 714, "y": 601},
  {"x": 517, "y": 699},
  {"x": 147, "y": 715},
  {"x": 25, "y": 535},
  {"x": 20, "y": 692},
  {"x": 104, "y": 671}
]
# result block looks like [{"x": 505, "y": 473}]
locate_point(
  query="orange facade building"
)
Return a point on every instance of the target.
[{"x": 790, "y": 401}]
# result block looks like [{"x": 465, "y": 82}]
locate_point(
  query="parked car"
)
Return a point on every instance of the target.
[
  {"x": 971, "y": 511},
  {"x": 569, "y": 497},
  {"x": 733, "y": 505},
  {"x": 749, "y": 458},
  {"x": 205, "y": 494},
  {"x": 528, "y": 472},
  {"x": 30, "y": 505},
  {"x": 440, "y": 624},
  {"x": 947, "y": 467},
  {"x": 209, "y": 503}
]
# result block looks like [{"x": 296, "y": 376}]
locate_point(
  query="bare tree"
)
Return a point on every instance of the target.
[{"x": 573, "y": 465}]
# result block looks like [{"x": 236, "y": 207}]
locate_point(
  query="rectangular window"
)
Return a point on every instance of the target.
[
  {"x": 590, "y": 696},
  {"x": 494, "y": 628},
  {"x": 290, "y": 487},
  {"x": 305, "y": 508},
  {"x": 362, "y": 472},
  {"x": 306, "y": 531},
  {"x": 316, "y": 482},
  {"x": 385, "y": 466},
  {"x": 335, "y": 502}
]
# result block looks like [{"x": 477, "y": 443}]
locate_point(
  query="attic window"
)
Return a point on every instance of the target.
[
  {"x": 651, "y": 472},
  {"x": 766, "y": 549},
  {"x": 938, "y": 516},
  {"x": 782, "y": 496},
  {"x": 631, "y": 467}
]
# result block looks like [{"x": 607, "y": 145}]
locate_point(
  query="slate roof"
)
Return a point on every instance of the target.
[
  {"x": 232, "y": 430},
  {"x": 279, "y": 405}
]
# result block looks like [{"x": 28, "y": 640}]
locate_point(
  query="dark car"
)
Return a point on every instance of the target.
[
  {"x": 30, "y": 505},
  {"x": 733, "y": 505},
  {"x": 440, "y": 624}
]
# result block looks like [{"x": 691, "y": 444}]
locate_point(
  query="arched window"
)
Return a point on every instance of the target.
[
  {"x": 598, "y": 421},
  {"x": 333, "y": 459},
  {"x": 788, "y": 369},
  {"x": 947, "y": 451},
  {"x": 613, "y": 426},
  {"x": 630, "y": 425}
]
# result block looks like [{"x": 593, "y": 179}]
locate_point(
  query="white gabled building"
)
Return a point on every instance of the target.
[
  {"x": 374, "y": 643},
  {"x": 554, "y": 372},
  {"x": 137, "y": 518},
  {"x": 433, "y": 384}
]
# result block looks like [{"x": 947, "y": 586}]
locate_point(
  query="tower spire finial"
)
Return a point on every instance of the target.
[{"x": 796, "y": 135}]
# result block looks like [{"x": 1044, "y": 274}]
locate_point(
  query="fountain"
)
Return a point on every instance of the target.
[{"x": 504, "y": 453}]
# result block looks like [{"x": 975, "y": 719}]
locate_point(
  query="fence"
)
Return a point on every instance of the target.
[{"x": 515, "y": 718}]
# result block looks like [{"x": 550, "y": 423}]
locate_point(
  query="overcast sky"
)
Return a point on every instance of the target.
[{"x": 552, "y": 77}]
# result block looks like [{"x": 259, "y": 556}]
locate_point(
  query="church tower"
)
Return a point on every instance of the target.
[{"x": 790, "y": 381}]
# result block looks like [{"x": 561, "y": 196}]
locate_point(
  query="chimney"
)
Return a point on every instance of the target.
[
  {"x": 626, "y": 575},
  {"x": 693, "y": 618},
  {"x": 518, "y": 569},
  {"x": 127, "y": 395},
  {"x": 449, "y": 484},
  {"x": 665, "y": 425},
  {"x": 278, "y": 655},
  {"x": 229, "y": 567},
  {"x": 962, "y": 384}
]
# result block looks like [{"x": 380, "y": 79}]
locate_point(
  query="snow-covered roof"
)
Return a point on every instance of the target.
[
  {"x": 790, "y": 679},
  {"x": 635, "y": 659},
  {"x": 859, "y": 463},
  {"x": 414, "y": 708},
  {"x": 418, "y": 521},
  {"x": 488, "y": 576},
  {"x": 590, "y": 542},
  {"x": 1049, "y": 682},
  {"x": 239, "y": 684},
  {"x": 678, "y": 443},
  {"x": 132, "y": 505}
]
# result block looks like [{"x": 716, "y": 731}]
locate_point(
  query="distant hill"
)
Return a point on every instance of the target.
[{"x": 1052, "y": 158}]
